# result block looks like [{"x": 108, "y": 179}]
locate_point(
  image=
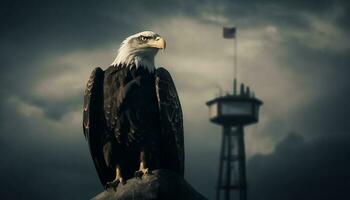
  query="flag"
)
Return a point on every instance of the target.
[{"x": 229, "y": 32}]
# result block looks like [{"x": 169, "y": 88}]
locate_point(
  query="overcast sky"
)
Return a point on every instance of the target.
[{"x": 293, "y": 54}]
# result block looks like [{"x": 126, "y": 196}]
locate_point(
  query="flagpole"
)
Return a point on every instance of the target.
[
  {"x": 235, "y": 64},
  {"x": 231, "y": 33}
]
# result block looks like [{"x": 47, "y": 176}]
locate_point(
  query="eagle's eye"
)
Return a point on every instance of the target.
[{"x": 143, "y": 38}]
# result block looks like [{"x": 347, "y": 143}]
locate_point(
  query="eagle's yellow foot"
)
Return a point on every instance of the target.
[
  {"x": 142, "y": 171},
  {"x": 118, "y": 179},
  {"x": 114, "y": 184}
]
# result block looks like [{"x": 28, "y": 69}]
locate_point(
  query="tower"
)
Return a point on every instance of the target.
[{"x": 233, "y": 112}]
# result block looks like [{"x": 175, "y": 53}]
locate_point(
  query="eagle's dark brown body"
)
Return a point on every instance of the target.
[
  {"x": 128, "y": 110},
  {"x": 132, "y": 116}
]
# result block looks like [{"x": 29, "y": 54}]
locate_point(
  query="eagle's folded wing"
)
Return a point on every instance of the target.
[
  {"x": 94, "y": 125},
  {"x": 172, "y": 132}
]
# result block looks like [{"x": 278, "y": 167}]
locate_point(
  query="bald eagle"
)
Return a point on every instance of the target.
[{"x": 132, "y": 116}]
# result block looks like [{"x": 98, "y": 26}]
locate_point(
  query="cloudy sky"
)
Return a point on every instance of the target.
[{"x": 293, "y": 54}]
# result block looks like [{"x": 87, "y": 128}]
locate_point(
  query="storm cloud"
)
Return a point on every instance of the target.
[{"x": 294, "y": 55}]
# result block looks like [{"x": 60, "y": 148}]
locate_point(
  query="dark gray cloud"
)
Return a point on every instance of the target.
[
  {"x": 38, "y": 163},
  {"x": 296, "y": 54},
  {"x": 300, "y": 169}
]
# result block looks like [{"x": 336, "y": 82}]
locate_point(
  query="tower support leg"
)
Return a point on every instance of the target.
[
  {"x": 241, "y": 164},
  {"x": 232, "y": 157},
  {"x": 227, "y": 132}
]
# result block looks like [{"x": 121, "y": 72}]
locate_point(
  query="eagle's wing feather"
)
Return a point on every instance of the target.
[
  {"x": 94, "y": 125},
  {"x": 172, "y": 132}
]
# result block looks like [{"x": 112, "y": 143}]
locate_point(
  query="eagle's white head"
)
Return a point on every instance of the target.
[{"x": 139, "y": 50}]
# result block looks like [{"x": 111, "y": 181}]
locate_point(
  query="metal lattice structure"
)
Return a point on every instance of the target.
[{"x": 233, "y": 112}]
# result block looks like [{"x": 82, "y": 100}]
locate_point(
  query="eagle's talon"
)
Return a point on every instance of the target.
[
  {"x": 114, "y": 184},
  {"x": 142, "y": 172},
  {"x": 138, "y": 174},
  {"x": 146, "y": 172}
]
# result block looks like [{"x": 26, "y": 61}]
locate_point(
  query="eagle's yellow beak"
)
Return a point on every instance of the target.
[{"x": 158, "y": 43}]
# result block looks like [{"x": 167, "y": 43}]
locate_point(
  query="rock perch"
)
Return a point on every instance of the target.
[{"x": 160, "y": 185}]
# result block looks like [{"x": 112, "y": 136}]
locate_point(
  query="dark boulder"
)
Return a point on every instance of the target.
[{"x": 160, "y": 185}]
